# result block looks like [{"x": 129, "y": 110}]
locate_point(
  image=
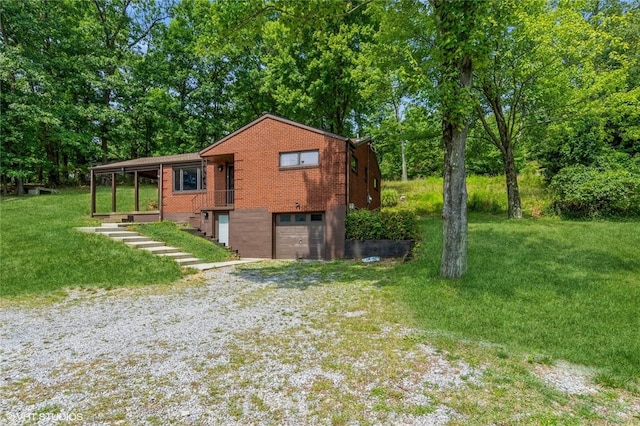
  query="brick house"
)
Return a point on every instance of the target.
[{"x": 272, "y": 189}]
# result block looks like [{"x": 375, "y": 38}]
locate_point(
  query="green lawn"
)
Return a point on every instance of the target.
[
  {"x": 564, "y": 290},
  {"x": 556, "y": 289},
  {"x": 170, "y": 233},
  {"x": 40, "y": 252}
]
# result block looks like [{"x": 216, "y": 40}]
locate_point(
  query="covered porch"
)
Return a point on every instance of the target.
[{"x": 150, "y": 168}]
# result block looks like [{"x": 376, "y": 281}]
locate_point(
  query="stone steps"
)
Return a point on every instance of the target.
[{"x": 118, "y": 232}]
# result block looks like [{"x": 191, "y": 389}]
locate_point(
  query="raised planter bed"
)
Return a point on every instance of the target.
[{"x": 355, "y": 249}]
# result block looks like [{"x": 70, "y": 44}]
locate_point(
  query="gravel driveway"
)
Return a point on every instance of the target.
[{"x": 240, "y": 347}]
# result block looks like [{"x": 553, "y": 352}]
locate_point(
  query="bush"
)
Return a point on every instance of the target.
[
  {"x": 382, "y": 225},
  {"x": 389, "y": 198},
  {"x": 587, "y": 192}
]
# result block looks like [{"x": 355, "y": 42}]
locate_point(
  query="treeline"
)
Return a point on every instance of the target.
[{"x": 555, "y": 84}]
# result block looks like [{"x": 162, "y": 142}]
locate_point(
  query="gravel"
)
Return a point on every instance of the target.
[{"x": 239, "y": 349}]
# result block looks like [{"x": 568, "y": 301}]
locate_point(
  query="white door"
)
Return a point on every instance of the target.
[{"x": 223, "y": 229}]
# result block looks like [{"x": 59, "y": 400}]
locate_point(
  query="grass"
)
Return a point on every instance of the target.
[
  {"x": 566, "y": 290},
  {"x": 41, "y": 253},
  {"x": 561, "y": 289},
  {"x": 551, "y": 288},
  {"x": 372, "y": 340},
  {"x": 170, "y": 233},
  {"x": 486, "y": 194}
]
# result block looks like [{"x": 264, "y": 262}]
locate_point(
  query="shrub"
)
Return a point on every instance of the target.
[
  {"x": 586, "y": 192},
  {"x": 389, "y": 198},
  {"x": 363, "y": 225},
  {"x": 387, "y": 224},
  {"x": 486, "y": 201}
]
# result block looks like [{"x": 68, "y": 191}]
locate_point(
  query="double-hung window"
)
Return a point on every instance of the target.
[
  {"x": 188, "y": 178},
  {"x": 299, "y": 158}
]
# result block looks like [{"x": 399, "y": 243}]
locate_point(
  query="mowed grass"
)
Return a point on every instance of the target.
[
  {"x": 40, "y": 252},
  {"x": 549, "y": 288},
  {"x": 171, "y": 234},
  {"x": 557, "y": 289}
]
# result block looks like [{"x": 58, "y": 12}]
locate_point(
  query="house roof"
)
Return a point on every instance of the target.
[
  {"x": 153, "y": 163},
  {"x": 147, "y": 162},
  {"x": 280, "y": 119}
]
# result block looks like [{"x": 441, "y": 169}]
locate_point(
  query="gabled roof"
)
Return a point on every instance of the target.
[
  {"x": 280, "y": 119},
  {"x": 147, "y": 162}
]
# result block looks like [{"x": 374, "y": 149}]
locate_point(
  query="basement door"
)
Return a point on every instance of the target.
[
  {"x": 223, "y": 229},
  {"x": 299, "y": 236}
]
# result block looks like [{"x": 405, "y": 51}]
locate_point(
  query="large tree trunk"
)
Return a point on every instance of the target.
[
  {"x": 453, "y": 263},
  {"x": 511, "y": 175},
  {"x": 19, "y": 186}
]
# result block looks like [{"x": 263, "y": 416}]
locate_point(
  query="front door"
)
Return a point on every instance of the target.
[{"x": 223, "y": 229}]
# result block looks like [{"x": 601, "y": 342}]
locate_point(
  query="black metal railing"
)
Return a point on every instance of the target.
[{"x": 213, "y": 199}]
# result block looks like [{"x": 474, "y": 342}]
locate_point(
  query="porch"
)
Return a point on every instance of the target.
[{"x": 150, "y": 168}]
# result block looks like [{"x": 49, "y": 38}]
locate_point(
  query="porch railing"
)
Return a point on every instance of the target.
[{"x": 213, "y": 199}]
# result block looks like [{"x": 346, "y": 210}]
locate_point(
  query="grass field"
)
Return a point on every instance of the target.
[
  {"x": 564, "y": 290},
  {"x": 485, "y": 195},
  {"x": 40, "y": 251},
  {"x": 557, "y": 289}
]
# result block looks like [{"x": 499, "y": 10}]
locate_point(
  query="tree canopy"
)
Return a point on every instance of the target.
[{"x": 89, "y": 82}]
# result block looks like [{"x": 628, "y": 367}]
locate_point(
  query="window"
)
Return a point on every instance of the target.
[
  {"x": 285, "y": 218},
  {"x": 316, "y": 217},
  {"x": 354, "y": 164},
  {"x": 375, "y": 183},
  {"x": 301, "y": 218},
  {"x": 300, "y": 158},
  {"x": 188, "y": 178}
]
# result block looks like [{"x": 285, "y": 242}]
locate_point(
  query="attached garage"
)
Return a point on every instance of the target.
[{"x": 299, "y": 236}]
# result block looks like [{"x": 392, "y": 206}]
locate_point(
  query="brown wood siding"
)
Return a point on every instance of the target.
[{"x": 250, "y": 232}]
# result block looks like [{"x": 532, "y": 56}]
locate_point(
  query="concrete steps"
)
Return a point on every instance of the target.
[{"x": 118, "y": 232}]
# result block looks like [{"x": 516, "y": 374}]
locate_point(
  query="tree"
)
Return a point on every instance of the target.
[
  {"x": 313, "y": 51},
  {"x": 459, "y": 34},
  {"x": 42, "y": 120},
  {"x": 596, "y": 97}
]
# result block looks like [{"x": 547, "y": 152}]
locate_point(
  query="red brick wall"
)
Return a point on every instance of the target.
[
  {"x": 359, "y": 181},
  {"x": 182, "y": 202},
  {"x": 261, "y": 183}
]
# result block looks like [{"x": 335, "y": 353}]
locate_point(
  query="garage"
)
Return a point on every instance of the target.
[{"x": 299, "y": 236}]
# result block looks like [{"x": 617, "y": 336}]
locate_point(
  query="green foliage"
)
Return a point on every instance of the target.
[
  {"x": 486, "y": 194},
  {"x": 588, "y": 192},
  {"x": 388, "y": 224},
  {"x": 389, "y": 197},
  {"x": 363, "y": 225},
  {"x": 399, "y": 224}
]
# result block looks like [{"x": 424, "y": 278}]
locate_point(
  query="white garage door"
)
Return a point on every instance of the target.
[{"x": 300, "y": 236}]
